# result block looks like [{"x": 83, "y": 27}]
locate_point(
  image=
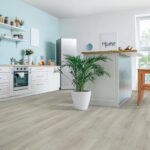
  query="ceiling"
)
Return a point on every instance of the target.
[{"x": 75, "y": 8}]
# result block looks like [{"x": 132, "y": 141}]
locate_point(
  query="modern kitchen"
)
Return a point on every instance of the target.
[{"x": 74, "y": 75}]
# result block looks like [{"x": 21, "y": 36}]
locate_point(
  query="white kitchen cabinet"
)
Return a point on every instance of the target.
[
  {"x": 4, "y": 90},
  {"x": 53, "y": 79},
  {"x": 45, "y": 79},
  {"x": 4, "y": 69},
  {"x": 36, "y": 76},
  {"x": 4, "y": 77},
  {"x": 39, "y": 78},
  {"x": 4, "y": 82},
  {"x": 42, "y": 79}
]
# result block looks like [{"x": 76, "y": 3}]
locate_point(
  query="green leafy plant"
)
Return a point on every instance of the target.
[
  {"x": 29, "y": 52},
  {"x": 84, "y": 69},
  {"x": 21, "y": 23}
]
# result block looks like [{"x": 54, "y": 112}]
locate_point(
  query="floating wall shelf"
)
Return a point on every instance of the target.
[
  {"x": 12, "y": 29},
  {"x": 7, "y": 26},
  {"x": 11, "y": 39}
]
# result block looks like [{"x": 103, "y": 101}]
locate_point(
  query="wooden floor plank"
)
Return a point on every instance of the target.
[{"x": 49, "y": 122}]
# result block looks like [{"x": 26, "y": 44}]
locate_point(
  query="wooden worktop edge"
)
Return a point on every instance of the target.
[{"x": 108, "y": 52}]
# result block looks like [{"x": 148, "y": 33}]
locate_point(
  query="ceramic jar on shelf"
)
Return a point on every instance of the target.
[{"x": 1, "y": 18}]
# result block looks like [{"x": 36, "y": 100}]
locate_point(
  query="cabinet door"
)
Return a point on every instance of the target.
[
  {"x": 53, "y": 79},
  {"x": 4, "y": 77},
  {"x": 4, "y": 90},
  {"x": 39, "y": 87},
  {"x": 4, "y": 69},
  {"x": 36, "y": 76}
]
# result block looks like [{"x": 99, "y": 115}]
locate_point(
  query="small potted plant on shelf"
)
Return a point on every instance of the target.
[
  {"x": 29, "y": 53},
  {"x": 17, "y": 21},
  {"x": 1, "y": 19},
  {"x": 83, "y": 70},
  {"x": 12, "y": 23},
  {"x": 22, "y": 24}
]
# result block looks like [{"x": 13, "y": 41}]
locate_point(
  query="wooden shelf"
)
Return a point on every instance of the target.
[
  {"x": 7, "y": 26},
  {"x": 108, "y": 52}
]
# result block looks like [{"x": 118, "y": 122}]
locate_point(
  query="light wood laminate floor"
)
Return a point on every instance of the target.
[{"x": 49, "y": 122}]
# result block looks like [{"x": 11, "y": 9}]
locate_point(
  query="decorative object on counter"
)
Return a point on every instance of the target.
[
  {"x": 89, "y": 46},
  {"x": 127, "y": 48},
  {"x": 12, "y": 23},
  {"x": 12, "y": 61},
  {"x": 83, "y": 70},
  {"x": 6, "y": 20},
  {"x": 29, "y": 53},
  {"x": 109, "y": 41},
  {"x": 17, "y": 21},
  {"x": 21, "y": 61},
  {"x": 51, "y": 63},
  {"x": 22, "y": 24},
  {"x": 120, "y": 49},
  {"x": 1, "y": 19},
  {"x": 42, "y": 62}
]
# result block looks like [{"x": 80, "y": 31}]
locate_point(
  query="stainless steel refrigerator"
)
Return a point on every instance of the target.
[{"x": 65, "y": 47}]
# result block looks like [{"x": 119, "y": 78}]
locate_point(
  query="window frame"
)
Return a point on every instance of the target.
[{"x": 138, "y": 19}]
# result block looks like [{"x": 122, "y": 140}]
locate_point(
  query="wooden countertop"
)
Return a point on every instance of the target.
[{"x": 109, "y": 52}]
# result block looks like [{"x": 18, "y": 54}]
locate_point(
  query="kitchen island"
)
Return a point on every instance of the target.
[{"x": 116, "y": 89}]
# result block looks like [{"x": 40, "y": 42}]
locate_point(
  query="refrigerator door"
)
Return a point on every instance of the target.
[{"x": 68, "y": 47}]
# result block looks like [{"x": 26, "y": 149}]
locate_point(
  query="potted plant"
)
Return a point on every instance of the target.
[
  {"x": 83, "y": 70},
  {"x": 17, "y": 21},
  {"x": 28, "y": 53},
  {"x": 22, "y": 24}
]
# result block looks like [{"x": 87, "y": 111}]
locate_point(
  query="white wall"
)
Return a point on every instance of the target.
[{"x": 87, "y": 30}]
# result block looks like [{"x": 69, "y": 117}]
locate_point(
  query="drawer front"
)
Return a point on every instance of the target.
[
  {"x": 41, "y": 86},
  {"x": 39, "y": 76},
  {"x": 4, "y": 77},
  {"x": 39, "y": 69},
  {"x": 4, "y": 91},
  {"x": 4, "y": 69}
]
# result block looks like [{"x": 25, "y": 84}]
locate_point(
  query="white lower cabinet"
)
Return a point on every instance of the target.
[
  {"x": 4, "y": 82},
  {"x": 41, "y": 80},
  {"x": 45, "y": 79},
  {"x": 53, "y": 79},
  {"x": 4, "y": 90}
]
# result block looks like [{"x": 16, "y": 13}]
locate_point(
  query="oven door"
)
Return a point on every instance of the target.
[{"x": 21, "y": 80}]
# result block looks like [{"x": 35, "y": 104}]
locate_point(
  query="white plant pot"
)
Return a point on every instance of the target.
[{"x": 81, "y": 100}]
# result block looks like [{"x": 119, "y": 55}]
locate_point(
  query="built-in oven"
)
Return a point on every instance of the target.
[{"x": 21, "y": 78}]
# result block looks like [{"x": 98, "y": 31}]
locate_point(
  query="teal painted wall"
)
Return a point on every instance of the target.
[{"x": 47, "y": 25}]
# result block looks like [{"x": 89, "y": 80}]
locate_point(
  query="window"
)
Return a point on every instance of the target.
[
  {"x": 143, "y": 30},
  {"x": 143, "y": 24}
]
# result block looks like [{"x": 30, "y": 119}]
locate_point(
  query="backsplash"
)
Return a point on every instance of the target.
[{"x": 47, "y": 25}]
